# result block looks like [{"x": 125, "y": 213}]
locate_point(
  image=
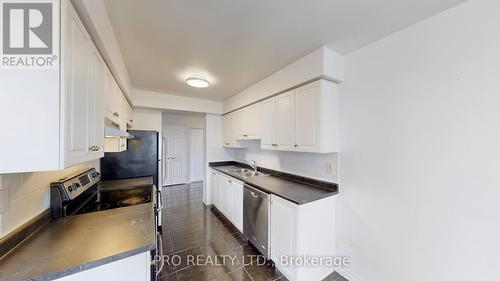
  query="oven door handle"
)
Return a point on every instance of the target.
[
  {"x": 162, "y": 260},
  {"x": 159, "y": 194}
]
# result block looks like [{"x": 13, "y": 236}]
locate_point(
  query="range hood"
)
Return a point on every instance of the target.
[{"x": 113, "y": 132}]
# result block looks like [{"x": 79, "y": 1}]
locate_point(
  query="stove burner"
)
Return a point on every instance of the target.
[
  {"x": 97, "y": 207},
  {"x": 128, "y": 192},
  {"x": 132, "y": 201}
]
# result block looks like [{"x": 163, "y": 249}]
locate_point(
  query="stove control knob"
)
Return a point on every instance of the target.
[
  {"x": 95, "y": 174},
  {"x": 73, "y": 187}
]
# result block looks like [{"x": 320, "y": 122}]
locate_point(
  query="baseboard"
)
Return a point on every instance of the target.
[{"x": 346, "y": 274}]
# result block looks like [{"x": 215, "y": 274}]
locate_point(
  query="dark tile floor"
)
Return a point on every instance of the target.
[{"x": 201, "y": 244}]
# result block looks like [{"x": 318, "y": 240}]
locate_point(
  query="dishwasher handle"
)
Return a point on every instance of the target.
[{"x": 257, "y": 193}]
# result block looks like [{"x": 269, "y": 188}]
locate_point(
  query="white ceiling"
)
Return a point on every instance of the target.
[{"x": 236, "y": 43}]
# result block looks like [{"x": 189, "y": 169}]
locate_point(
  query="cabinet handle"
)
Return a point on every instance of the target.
[
  {"x": 97, "y": 148},
  {"x": 123, "y": 145},
  {"x": 131, "y": 121},
  {"x": 116, "y": 114},
  {"x": 229, "y": 181},
  {"x": 227, "y": 143},
  {"x": 296, "y": 145},
  {"x": 91, "y": 148},
  {"x": 245, "y": 136}
]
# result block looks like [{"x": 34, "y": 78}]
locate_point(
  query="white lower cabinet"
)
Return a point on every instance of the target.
[
  {"x": 135, "y": 268},
  {"x": 301, "y": 231},
  {"x": 213, "y": 188},
  {"x": 229, "y": 194}
]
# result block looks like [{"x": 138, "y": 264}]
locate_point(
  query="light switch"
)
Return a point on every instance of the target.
[{"x": 4, "y": 200}]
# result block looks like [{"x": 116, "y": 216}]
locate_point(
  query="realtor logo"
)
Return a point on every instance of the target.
[
  {"x": 27, "y": 28},
  {"x": 28, "y": 34}
]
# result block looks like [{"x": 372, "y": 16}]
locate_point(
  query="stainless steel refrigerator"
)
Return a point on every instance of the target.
[{"x": 141, "y": 158}]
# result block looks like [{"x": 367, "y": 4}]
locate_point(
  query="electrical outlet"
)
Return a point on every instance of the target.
[
  {"x": 4, "y": 200},
  {"x": 329, "y": 167}
]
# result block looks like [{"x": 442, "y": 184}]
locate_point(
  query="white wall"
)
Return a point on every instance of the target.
[
  {"x": 420, "y": 152},
  {"x": 213, "y": 149},
  {"x": 147, "y": 120},
  {"x": 322, "y": 62},
  {"x": 164, "y": 101},
  {"x": 28, "y": 195},
  {"x": 311, "y": 165}
]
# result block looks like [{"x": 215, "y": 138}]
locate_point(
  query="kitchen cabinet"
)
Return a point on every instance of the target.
[
  {"x": 230, "y": 125},
  {"x": 98, "y": 96},
  {"x": 119, "y": 113},
  {"x": 305, "y": 119},
  {"x": 237, "y": 204},
  {"x": 214, "y": 188},
  {"x": 285, "y": 129},
  {"x": 300, "y": 231},
  {"x": 135, "y": 268},
  {"x": 53, "y": 113},
  {"x": 77, "y": 107},
  {"x": 268, "y": 124},
  {"x": 248, "y": 123},
  {"x": 229, "y": 194}
]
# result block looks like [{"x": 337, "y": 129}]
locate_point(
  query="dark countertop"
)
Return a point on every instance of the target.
[
  {"x": 297, "y": 189},
  {"x": 76, "y": 243}
]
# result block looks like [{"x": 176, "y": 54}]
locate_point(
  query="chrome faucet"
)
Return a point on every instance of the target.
[{"x": 252, "y": 164}]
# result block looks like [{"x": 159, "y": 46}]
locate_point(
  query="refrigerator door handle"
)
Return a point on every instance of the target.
[{"x": 163, "y": 164}]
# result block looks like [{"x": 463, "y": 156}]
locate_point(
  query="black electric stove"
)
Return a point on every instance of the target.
[{"x": 86, "y": 193}]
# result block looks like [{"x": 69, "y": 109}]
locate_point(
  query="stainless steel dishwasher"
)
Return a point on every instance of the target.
[{"x": 256, "y": 212}]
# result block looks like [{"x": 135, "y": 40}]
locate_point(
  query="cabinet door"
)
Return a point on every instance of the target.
[
  {"x": 227, "y": 123},
  {"x": 268, "y": 124},
  {"x": 285, "y": 121},
  {"x": 98, "y": 96},
  {"x": 77, "y": 95},
  {"x": 252, "y": 124},
  {"x": 237, "y": 191},
  {"x": 283, "y": 233},
  {"x": 307, "y": 121},
  {"x": 229, "y": 200},
  {"x": 248, "y": 123},
  {"x": 221, "y": 187},
  {"x": 214, "y": 188}
]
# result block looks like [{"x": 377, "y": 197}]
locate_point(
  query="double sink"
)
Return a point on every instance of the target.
[{"x": 246, "y": 173}]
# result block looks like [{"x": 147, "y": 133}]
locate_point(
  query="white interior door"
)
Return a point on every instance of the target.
[
  {"x": 196, "y": 161},
  {"x": 175, "y": 155}
]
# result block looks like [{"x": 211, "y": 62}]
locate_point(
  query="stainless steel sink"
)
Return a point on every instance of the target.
[{"x": 246, "y": 173}]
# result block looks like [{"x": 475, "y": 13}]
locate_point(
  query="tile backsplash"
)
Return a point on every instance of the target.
[
  {"x": 26, "y": 195},
  {"x": 313, "y": 165}
]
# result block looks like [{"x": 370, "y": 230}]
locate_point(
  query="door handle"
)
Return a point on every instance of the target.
[{"x": 160, "y": 202}]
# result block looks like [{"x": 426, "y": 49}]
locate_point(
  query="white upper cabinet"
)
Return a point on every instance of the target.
[
  {"x": 63, "y": 106},
  {"x": 77, "y": 105},
  {"x": 83, "y": 93},
  {"x": 230, "y": 125},
  {"x": 307, "y": 118},
  {"x": 285, "y": 129},
  {"x": 248, "y": 123},
  {"x": 98, "y": 95},
  {"x": 268, "y": 124},
  {"x": 302, "y": 120}
]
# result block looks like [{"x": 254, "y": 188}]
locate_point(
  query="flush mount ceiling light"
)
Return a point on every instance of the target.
[{"x": 197, "y": 82}]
